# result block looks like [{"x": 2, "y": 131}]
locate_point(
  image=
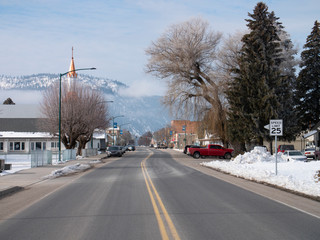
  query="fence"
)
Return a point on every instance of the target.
[
  {"x": 41, "y": 158},
  {"x": 69, "y": 154},
  {"x": 89, "y": 152}
]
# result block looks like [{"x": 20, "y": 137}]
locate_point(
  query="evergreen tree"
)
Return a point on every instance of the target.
[
  {"x": 287, "y": 110},
  {"x": 252, "y": 95},
  {"x": 308, "y": 83}
]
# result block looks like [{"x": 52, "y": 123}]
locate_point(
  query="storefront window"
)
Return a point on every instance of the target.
[
  {"x": 38, "y": 145},
  {"x": 16, "y": 146}
]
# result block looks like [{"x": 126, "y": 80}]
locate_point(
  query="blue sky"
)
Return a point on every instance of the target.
[{"x": 36, "y": 36}]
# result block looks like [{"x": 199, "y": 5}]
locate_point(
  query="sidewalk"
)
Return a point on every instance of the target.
[{"x": 18, "y": 181}]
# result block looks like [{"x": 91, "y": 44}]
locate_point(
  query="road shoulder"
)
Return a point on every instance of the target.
[
  {"x": 32, "y": 193},
  {"x": 300, "y": 203}
]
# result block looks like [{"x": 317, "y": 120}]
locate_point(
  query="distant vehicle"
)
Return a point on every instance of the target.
[
  {"x": 131, "y": 148},
  {"x": 293, "y": 155},
  {"x": 211, "y": 150},
  {"x": 186, "y": 148},
  {"x": 108, "y": 153},
  {"x": 162, "y": 146},
  {"x": 123, "y": 149},
  {"x": 317, "y": 154},
  {"x": 309, "y": 153},
  {"x": 115, "y": 151},
  {"x": 282, "y": 148}
]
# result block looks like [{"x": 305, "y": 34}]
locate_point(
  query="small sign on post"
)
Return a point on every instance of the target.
[{"x": 276, "y": 129}]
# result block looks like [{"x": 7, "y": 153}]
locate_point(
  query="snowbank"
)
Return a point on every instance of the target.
[
  {"x": 259, "y": 165},
  {"x": 68, "y": 170}
]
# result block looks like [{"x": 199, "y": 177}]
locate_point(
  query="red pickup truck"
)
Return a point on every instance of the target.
[{"x": 211, "y": 150}]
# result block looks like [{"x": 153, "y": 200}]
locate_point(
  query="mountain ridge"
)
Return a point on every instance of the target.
[{"x": 144, "y": 113}]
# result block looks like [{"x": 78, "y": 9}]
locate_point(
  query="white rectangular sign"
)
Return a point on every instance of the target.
[{"x": 276, "y": 128}]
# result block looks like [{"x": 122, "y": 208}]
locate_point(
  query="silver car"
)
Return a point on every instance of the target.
[
  {"x": 293, "y": 155},
  {"x": 115, "y": 151},
  {"x": 309, "y": 152}
]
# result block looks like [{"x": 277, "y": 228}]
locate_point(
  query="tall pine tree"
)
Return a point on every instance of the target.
[
  {"x": 287, "y": 111},
  {"x": 308, "y": 83},
  {"x": 252, "y": 95}
]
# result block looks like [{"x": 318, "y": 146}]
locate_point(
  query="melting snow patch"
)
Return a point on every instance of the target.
[{"x": 68, "y": 170}]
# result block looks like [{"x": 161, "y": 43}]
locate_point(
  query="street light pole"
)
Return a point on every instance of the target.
[
  {"x": 62, "y": 74},
  {"x": 113, "y": 118}
]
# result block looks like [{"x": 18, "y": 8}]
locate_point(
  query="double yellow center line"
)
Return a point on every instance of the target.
[{"x": 164, "y": 221}]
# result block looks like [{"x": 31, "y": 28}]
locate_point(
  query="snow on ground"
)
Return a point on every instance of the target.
[
  {"x": 260, "y": 166},
  {"x": 78, "y": 167},
  {"x": 21, "y": 162}
]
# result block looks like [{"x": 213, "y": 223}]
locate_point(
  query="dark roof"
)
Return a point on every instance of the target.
[{"x": 22, "y": 124}]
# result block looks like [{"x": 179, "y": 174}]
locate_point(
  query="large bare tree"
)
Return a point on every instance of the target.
[
  {"x": 185, "y": 55},
  {"x": 82, "y": 110}
]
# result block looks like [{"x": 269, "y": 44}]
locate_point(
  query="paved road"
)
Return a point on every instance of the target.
[{"x": 147, "y": 195}]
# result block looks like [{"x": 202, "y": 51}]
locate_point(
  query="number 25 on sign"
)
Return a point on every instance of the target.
[{"x": 276, "y": 127}]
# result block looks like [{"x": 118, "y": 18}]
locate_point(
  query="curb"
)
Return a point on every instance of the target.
[{"x": 9, "y": 191}]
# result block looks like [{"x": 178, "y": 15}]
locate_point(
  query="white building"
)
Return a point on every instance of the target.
[{"x": 21, "y": 130}]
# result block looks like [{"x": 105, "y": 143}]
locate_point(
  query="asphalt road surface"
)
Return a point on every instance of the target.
[{"x": 148, "y": 195}]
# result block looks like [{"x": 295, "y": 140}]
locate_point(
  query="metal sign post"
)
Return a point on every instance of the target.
[{"x": 276, "y": 129}]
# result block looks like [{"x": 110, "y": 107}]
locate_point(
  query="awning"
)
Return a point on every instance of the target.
[{"x": 310, "y": 133}]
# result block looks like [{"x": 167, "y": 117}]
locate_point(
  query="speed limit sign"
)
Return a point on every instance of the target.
[{"x": 276, "y": 128}]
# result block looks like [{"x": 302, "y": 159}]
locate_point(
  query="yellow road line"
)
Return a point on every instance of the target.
[{"x": 152, "y": 192}]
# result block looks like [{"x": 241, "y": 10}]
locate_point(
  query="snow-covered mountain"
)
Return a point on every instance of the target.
[
  {"x": 43, "y": 80},
  {"x": 141, "y": 113}
]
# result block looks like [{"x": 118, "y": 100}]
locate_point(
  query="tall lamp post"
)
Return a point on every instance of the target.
[
  {"x": 62, "y": 74},
  {"x": 113, "y": 118}
]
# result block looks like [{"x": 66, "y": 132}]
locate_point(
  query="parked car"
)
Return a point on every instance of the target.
[
  {"x": 293, "y": 155},
  {"x": 161, "y": 146},
  {"x": 108, "y": 153},
  {"x": 115, "y": 151},
  {"x": 211, "y": 150},
  {"x": 309, "y": 153},
  {"x": 131, "y": 148},
  {"x": 282, "y": 148},
  {"x": 123, "y": 149}
]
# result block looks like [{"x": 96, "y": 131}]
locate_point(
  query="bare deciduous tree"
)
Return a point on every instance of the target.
[
  {"x": 125, "y": 138},
  {"x": 82, "y": 111},
  {"x": 186, "y": 56}
]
